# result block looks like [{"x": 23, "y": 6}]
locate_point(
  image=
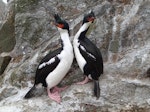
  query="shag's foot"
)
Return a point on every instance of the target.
[
  {"x": 58, "y": 89},
  {"x": 86, "y": 80},
  {"x": 54, "y": 96}
]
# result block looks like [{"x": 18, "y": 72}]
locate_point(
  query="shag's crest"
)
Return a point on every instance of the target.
[
  {"x": 57, "y": 18},
  {"x": 60, "y": 22}
]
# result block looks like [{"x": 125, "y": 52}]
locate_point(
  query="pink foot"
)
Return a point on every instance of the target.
[
  {"x": 54, "y": 96},
  {"x": 57, "y": 89},
  {"x": 84, "y": 81}
]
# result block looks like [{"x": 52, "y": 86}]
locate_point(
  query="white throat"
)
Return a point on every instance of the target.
[
  {"x": 83, "y": 28},
  {"x": 65, "y": 39}
]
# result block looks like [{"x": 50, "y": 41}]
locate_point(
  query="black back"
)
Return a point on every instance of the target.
[{"x": 93, "y": 58}]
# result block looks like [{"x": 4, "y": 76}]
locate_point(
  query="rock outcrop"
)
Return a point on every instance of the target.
[
  {"x": 7, "y": 33},
  {"x": 121, "y": 31}
]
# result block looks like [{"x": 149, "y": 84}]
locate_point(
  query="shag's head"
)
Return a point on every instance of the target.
[
  {"x": 90, "y": 17},
  {"x": 60, "y": 23}
]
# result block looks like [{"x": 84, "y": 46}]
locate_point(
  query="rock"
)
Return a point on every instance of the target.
[
  {"x": 121, "y": 31},
  {"x": 2, "y": 11},
  {"x": 114, "y": 46},
  {"x": 3, "y": 63},
  {"x": 7, "y": 34},
  {"x": 7, "y": 92},
  {"x": 7, "y": 31},
  {"x": 148, "y": 72}
]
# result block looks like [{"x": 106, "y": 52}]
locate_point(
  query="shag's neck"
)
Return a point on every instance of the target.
[
  {"x": 82, "y": 31},
  {"x": 66, "y": 44}
]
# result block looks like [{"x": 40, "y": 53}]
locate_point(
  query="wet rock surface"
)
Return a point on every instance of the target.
[{"x": 121, "y": 31}]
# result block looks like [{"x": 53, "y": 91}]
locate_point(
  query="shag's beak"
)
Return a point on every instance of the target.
[
  {"x": 59, "y": 25},
  {"x": 91, "y": 19}
]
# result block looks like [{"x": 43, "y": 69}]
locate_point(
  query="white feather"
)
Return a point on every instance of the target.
[
  {"x": 46, "y": 63},
  {"x": 82, "y": 48},
  {"x": 80, "y": 60},
  {"x": 92, "y": 56}
]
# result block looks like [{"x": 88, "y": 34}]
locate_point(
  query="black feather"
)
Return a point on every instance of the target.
[
  {"x": 30, "y": 93},
  {"x": 57, "y": 18},
  {"x": 96, "y": 88},
  {"x": 94, "y": 66}
]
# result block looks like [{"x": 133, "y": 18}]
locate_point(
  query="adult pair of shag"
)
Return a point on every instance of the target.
[{"x": 55, "y": 65}]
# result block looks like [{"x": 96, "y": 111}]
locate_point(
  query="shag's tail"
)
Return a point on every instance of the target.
[
  {"x": 30, "y": 93},
  {"x": 96, "y": 88}
]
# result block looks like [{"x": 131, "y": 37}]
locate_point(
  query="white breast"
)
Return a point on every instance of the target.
[{"x": 61, "y": 70}]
